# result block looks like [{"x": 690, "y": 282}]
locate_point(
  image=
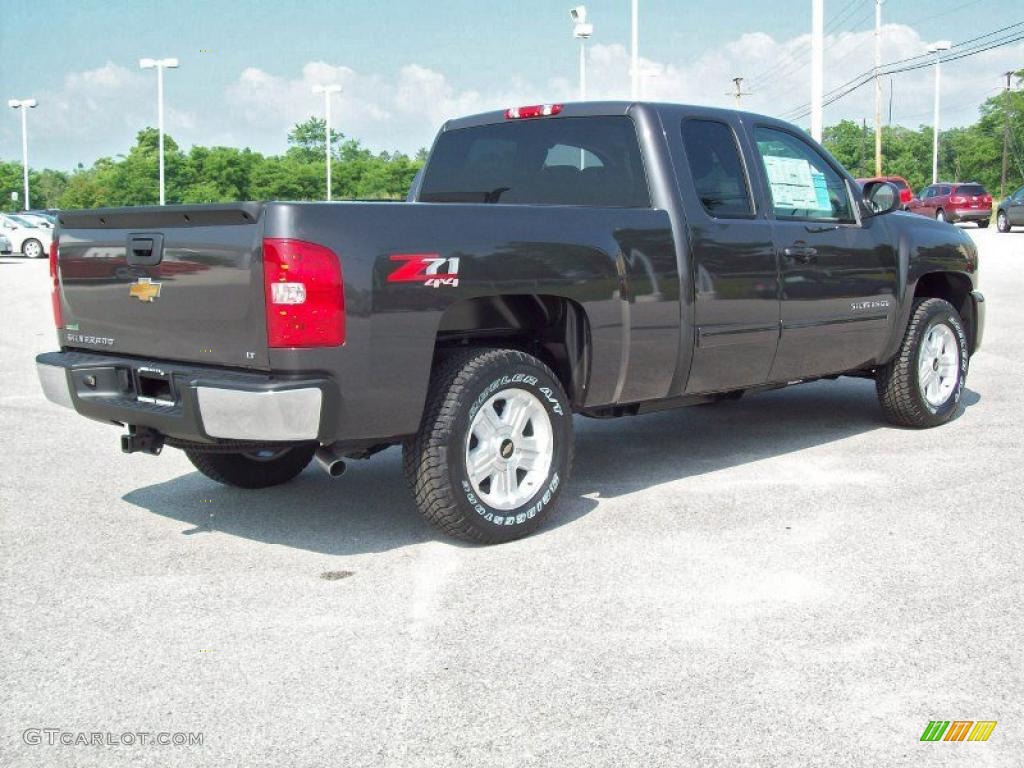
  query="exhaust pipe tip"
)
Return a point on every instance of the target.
[{"x": 329, "y": 461}]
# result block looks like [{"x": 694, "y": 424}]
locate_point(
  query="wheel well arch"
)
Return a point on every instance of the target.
[
  {"x": 954, "y": 288},
  {"x": 555, "y": 329}
]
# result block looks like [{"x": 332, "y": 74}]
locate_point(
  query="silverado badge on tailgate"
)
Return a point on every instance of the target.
[{"x": 144, "y": 289}]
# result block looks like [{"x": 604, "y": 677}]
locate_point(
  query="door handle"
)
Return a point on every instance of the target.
[{"x": 802, "y": 253}]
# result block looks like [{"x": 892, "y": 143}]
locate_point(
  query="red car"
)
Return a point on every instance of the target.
[
  {"x": 954, "y": 201},
  {"x": 898, "y": 181}
]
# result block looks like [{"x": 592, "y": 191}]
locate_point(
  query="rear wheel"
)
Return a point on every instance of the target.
[
  {"x": 32, "y": 248},
  {"x": 922, "y": 385},
  {"x": 495, "y": 446},
  {"x": 940, "y": 215},
  {"x": 257, "y": 469},
  {"x": 983, "y": 224},
  {"x": 1002, "y": 223}
]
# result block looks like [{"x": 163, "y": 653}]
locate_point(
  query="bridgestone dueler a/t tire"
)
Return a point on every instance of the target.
[
  {"x": 435, "y": 458},
  {"x": 897, "y": 383},
  {"x": 241, "y": 471}
]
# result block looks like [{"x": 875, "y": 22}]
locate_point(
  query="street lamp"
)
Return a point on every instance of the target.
[
  {"x": 581, "y": 31},
  {"x": 24, "y": 105},
  {"x": 160, "y": 65},
  {"x": 327, "y": 90},
  {"x": 937, "y": 49}
]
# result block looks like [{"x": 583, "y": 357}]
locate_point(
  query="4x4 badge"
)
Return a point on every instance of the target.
[{"x": 144, "y": 289}]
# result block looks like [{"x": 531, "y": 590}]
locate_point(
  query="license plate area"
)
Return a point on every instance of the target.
[{"x": 154, "y": 386}]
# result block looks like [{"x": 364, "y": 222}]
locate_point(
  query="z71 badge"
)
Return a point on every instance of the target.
[{"x": 429, "y": 269}]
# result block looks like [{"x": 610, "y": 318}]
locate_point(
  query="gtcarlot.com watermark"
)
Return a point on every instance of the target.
[{"x": 68, "y": 738}]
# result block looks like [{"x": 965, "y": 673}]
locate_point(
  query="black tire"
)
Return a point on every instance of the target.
[
  {"x": 1002, "y": 222},
  {"x": 244, "y": 470},
  {"x": 898, "y": 382},
  {"x": 940, "y": 215},
  {"x": 35, "y": 246},
  {"x": 983, "y": 224},
  {"x": 462, "y": 384}
]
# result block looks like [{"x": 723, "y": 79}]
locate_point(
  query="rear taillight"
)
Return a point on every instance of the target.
[
  {"x": 987, "y": 199},
  {"x": 58, "y": 317},
  {"x": 537, "y": 110},
  {"x": 305, "y": 294},
  {"x": 905, "y": 196},
  {"x": 957, "y": 200}
]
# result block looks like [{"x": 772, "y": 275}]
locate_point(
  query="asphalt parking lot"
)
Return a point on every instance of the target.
[{"x": 785, "y": 580}]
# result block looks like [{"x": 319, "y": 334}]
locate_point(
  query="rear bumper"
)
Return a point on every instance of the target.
[
  {"x": 971, "y": 214},
  {"x": 197, "y": 404}
]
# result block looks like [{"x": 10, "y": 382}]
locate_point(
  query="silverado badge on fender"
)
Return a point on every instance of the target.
[{"x": 144, "y": 289}]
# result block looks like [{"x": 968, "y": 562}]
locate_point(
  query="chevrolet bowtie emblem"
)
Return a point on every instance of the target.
[{"x": 144, "y": 289}]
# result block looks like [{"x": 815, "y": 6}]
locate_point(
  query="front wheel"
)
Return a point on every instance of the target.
[
  {"x": 32, "y": 249},
  {"x": 1002, "y": 223},
  {"x": 922, "y": 385},
  {"x": 495, "y": 447},
  {"x": 257, "y": 469}
]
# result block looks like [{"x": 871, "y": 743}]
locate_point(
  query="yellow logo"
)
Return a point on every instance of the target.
[{"x": 144, "y": 289}]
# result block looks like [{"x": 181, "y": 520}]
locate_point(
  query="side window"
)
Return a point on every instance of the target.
[
  {"x": 716, "y": 168},
  {"x": 802, "y": 183},
  {"x": 945, "y": 190},
  {"x": 1019, "y": 194},
  {"x": 925, "y": 193}
]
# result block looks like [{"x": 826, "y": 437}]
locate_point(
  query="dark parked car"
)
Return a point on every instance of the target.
[
  {"x": 906, "y": 195},
  {"x": 954, "y": 202},
  {"x": 602, "y": 259},
  {"x": 1010, "y": 212}
]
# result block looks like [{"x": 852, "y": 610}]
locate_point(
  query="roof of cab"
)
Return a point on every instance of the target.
[{"x": 597, "y": 108}]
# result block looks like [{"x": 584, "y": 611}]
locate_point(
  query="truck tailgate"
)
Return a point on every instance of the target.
[{"x": 173, "y": 282}]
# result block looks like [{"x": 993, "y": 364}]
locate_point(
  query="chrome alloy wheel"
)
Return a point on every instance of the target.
[
  {"x": 938, "y": 365},
  {"x": 509, "y": 449}
]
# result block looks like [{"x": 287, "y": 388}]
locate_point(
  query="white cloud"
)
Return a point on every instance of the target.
[{"x": 98, "y": 111}]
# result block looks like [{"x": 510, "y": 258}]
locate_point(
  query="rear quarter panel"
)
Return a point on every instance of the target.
[{"x": 619, "y": 265}]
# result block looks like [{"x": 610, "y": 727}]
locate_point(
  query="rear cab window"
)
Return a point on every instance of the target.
[{"x": 584, "y": 161}]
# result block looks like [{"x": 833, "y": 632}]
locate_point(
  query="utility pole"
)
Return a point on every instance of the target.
[
  {"x": 1006, "y": 134},
  {"x": 817, "y": 65},
  {"x": 878, "y": 87},
  {"x": 634, "y": 56},
  {"x": 739, "y": 93}
]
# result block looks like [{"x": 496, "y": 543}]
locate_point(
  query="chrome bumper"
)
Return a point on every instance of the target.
[{"x": 207, "y": 405}]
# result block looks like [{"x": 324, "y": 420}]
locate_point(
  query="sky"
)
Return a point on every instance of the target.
[{"x": 248, "y": 66}]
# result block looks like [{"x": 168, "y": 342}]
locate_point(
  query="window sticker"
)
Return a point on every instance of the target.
[
  {"x": 821, "y": 191},
  {"x": 794, "y": 185}
]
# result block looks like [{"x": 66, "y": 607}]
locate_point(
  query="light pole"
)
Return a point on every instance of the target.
[
  {"x": 24, "y": 105},
  {"x": 634, "y": 56},
  {"x": 327, "y": 90},
  {"x": 817, "y": 65},
  {"x": 160, "y": 65},
  {"x": 581, "y": 30},
  {"x": 937, "y": 49},
  {"x": 878, "y": 87}
]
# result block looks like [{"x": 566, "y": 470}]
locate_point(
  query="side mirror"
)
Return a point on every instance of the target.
[{"x": 881, "y": 197}]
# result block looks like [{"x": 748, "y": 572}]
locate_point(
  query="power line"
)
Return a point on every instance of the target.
[
  {"x": 917, "y": 58},
  {"x": 791, "y": 63},
  {"x": 913, "y": 62}
]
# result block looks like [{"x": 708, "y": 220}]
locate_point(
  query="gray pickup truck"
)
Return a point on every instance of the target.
[{"x": 601, "y": 259}]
